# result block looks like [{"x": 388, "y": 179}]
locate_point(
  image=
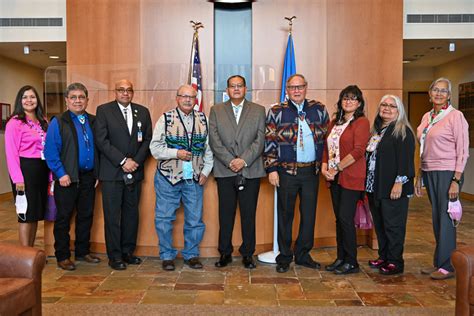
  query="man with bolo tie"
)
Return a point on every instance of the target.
[
  {"x": 294, "y": 138},
  {"x": 70, "y": 154},
  {"x": 123, "y": 133},
  {"x": 180, "y": 144}
]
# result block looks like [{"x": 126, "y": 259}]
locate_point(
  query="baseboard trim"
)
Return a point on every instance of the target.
[
  {"x": 7, "y": 196},
  {"x": 467, "y": 196}
]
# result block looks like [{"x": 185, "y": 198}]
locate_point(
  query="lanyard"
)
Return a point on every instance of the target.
[
  {"x": 189, "y": 137},
  {"x": 37, "y": 128}
]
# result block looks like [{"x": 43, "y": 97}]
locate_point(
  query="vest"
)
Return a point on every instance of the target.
[{"x": 177, "y": 138}]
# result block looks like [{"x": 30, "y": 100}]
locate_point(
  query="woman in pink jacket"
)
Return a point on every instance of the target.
[
  {"x": 25, "y": 134},
  {"x": 444, "y": 149}
]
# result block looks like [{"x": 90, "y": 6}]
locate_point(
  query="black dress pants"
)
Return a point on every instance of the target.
[
  {"x": 247, "y": 198},
  {"x": 344, "y": 202},
  {"x": 78, "y": 196},
  {"x": 305, "y": 185},
  {"x": 390, "y": 222},
  {"x": 120, "y": 203}
]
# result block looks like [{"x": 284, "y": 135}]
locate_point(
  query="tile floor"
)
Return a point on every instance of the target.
[{"x": 233, "y": 285}]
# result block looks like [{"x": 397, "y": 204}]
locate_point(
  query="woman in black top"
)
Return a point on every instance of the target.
[{"x": 389, "y": 184}]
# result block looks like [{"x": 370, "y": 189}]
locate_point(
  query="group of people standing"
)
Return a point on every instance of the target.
[{"x": 292, "y": 144}]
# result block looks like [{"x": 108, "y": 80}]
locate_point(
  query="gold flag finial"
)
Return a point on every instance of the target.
[
  {"x": 196, "y": 25},
  {"x": 290, "y": 22}
]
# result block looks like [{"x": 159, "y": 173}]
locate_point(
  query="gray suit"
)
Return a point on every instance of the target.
[{"x": 245, "y": 140}]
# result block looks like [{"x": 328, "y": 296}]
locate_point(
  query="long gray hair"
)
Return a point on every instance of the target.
[{"x": 401, "y": 123}]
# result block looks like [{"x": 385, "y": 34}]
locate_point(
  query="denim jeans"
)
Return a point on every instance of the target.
[{"x": 168, "y": 198}]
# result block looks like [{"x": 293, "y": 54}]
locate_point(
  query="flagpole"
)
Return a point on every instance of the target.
[
  {"x": 289, "y": 68},
  {"x": 196, "y": 26}
]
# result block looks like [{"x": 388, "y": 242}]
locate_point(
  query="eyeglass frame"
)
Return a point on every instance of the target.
[
  {"x": 300, "y": 87},
  {"x": 122, "y": 90}
]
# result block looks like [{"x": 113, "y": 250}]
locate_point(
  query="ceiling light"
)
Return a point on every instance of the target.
[
  {"x": 26, "y": 49},
  {"x": 452, "y": 47},
  {"x": 54, "y": 57},
  {"x": 407, "y": 61}
]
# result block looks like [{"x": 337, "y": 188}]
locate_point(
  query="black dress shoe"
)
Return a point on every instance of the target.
[
  {"x": 309, "y": 263},
  {"x": 249, "y": 262},
  {"x": 117, "y": 264},
  {"x": 168, "y": 265},
  {"x": 282, "y": 267},
  {"x": 334, "y": 265},
  {"x": 193, "y": 263},
  {"x": 390, "y": 269},
  {"x": 346, "y": 268},
  {"x": 131, "y": 259},
  {"x": 224, "y": 260}
]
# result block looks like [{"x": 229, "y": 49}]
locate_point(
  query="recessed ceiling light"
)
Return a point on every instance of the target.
[
  {"x": 407, "y": 61},
  {"x": 54, "y": 57}
]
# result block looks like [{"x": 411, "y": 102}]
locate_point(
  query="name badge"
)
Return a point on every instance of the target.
[
  {"x": 139, "y": 134},
  {"x": 187, "y": 170}
]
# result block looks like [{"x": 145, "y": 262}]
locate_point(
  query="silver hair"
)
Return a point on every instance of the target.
[
  {"x": 401, "y": 124},
  {"x": 442, "y": 79}
]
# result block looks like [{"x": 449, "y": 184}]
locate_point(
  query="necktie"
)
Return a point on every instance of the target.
[
  {"x": 236, "y": 113},
  {"x": 125, "y": 112}
]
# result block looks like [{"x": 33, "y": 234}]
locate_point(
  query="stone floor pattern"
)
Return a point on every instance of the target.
[{"x": 233, "y": 285}]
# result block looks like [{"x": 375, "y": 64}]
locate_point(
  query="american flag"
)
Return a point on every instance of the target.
[{"x": 195, "y": 72}]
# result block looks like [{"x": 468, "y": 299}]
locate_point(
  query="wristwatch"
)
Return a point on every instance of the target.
[
  {"x": 458, "y": 181},
  {"x": 338, "y": 167}
]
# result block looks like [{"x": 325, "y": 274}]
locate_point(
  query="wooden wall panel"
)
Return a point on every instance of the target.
[
  {"x": 336, "y": 42},
  {"x": 365, "y": 44},
  {"x": 270, "y": 36}
]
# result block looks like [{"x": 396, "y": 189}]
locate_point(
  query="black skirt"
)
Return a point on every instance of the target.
[{"x": 36, "y": 176}]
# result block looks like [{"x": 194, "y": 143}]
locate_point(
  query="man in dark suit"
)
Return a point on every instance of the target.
[
  {"x": 123, "y": 133},
  {"x": 236, "y": 137}
]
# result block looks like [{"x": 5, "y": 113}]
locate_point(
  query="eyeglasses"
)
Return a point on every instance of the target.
[
  {"x": 349, "y": 99},
  {"x": 390, "y": 106},
  {"x": 75, "y": 98},
  {"x": 236, "y": 86},
  {"x": 440, "y": 91},
  {"x": 294, "y": 88},
  {"x": 184, "y": 96},
  {"x": 123, "y": 90}
]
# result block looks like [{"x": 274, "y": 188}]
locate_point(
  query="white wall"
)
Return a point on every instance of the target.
[
  {"x": 13, "y": 76},
  {"x": 460, "y": 71},
  {"x": 437, "y": 30},
  {"x": 33, "y": 9}
]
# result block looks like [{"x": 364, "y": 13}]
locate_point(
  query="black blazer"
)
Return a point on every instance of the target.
[
  {"x": 115, "y": 143},
  {"x": 395, "y": 157}
]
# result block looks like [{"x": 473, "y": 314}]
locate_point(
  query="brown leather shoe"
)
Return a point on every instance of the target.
[
  {"x": 89, "y": 258},
  {"x": 193, "y": 263},
  {"x": 67, "y": 265}
]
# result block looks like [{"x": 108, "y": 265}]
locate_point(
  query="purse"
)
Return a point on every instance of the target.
[
  {"x": 363, "y": 218},
  {"x": 51, "y": 210}
]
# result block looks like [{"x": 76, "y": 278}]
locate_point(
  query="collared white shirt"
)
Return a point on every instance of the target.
[
  {"x": 129, "y": 119},
  {"x": 237, "y": 110}
]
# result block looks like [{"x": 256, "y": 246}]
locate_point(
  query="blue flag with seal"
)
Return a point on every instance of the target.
[{"x": 289, "y": 67}]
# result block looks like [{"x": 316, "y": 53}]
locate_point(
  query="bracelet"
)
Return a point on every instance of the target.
[
  {"x": 458, "y": 181},
  {"x": 339, "y": 168}
]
